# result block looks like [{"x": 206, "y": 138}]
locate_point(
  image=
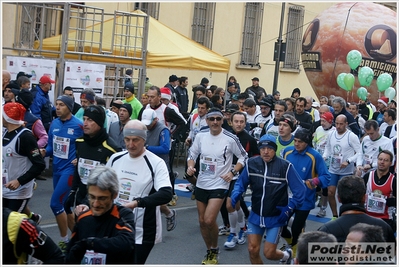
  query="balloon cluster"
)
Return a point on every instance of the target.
[{"x": 365, "y": 75}]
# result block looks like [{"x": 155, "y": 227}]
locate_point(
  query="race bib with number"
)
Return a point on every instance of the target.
[
  {"x": 207, "y": 166},
  {"x": 126, "y": 194},
  {"x": 4, "y": 176},
  {"x": 61, "y": 147},
  {"x": 336, "y": 161},
  {"x": 85, "y": 166},
  {"x": 375, "y": 203},
  {"x": 93, "y": 258},
  {"x": 368, "y": 159}
]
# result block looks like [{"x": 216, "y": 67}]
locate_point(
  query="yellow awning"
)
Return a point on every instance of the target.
[{"x": 166, "y": 48}]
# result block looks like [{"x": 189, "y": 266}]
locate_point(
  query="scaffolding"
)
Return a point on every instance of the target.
[{"x": 82, "y": 26}]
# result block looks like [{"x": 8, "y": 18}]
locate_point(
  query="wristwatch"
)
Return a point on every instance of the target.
[{"x": 234, "y": 172}]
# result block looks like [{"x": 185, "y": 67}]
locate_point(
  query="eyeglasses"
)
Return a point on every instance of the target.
[
  {"x": 215, "y": 118},
  {"x": 99, "y": 199}
]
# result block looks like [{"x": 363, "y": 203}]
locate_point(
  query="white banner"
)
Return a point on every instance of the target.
[
  {"x": 36, "y": 67},
  {"x": 84, "y": 75}
]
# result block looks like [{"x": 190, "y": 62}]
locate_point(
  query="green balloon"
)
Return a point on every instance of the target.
[
  {"x": 390, "y": 92},
  {"x": 354, "y": 58},
  {"x": 349, "y": 81},
  {"x": 384, "y": 81},
  {"x": 340, "y": 81},
  {"x": 362, "y": 93},
  {"x": 365, "y": 76}
]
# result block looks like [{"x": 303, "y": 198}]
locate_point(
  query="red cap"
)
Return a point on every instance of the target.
[
  {"x": 328, "y": 116},
  {"x": 46, "y": 79}
]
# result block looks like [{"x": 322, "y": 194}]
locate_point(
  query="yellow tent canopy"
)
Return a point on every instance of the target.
[{"x": 166, "y": 48}]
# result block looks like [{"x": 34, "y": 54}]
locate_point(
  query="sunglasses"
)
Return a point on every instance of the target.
[{"x": 215, "y": 118}]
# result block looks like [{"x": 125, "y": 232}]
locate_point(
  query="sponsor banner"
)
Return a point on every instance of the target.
[
  {"x": 351, "y": 253},
  {"x": 84, "y": 75},
  {"x": 36, "y": 67}
]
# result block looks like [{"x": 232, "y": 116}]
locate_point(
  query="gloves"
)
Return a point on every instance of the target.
[
  {"x": 77, "y": 252},
  {"x": 285, "y": 214},
  {"x": 312, "y": 183},
  {"x": 70, "y": 201}
]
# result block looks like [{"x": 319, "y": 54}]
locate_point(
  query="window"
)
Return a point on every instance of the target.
[
  {"x": 151, "y": 9},
  {"x": 252, "y": 34},
  {"x": 37, "y": 21},
  {"x": 203, "y": 21},
  {"x": 294, "y": 38}
]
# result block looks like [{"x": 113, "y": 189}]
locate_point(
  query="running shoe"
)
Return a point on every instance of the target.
[
  {"x": 36, "y": 218},
  {"x": 173, "y": 201},
  {"x": 231, "y": 241},
  {"x": 242, "y": 237},
  {"x": 171, "y": 221},
  {"x": 63, "y": 246},
  {"x": 223, "y": 230},
  {"x": 287, "y": 261},
  {"x": 321, "y": 213},
  {"x": 211, "y": 257},
  {"x": 334, "y": 218}
]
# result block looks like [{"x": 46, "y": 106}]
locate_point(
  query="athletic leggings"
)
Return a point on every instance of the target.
[
  {"x": 141, "y": 252},
  {"x": 298, "y": 224},
  {"x": 62, "y": 183}
]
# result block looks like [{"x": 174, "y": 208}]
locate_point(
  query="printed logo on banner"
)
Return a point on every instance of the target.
[
  {"x": 85, "y": 80},
  {"x": 68, "y": 69},
  {"x": 99, "y": 80},
  {"x": 11, "y": 63},
  {"x": 79, "y": 70},
  {"x": 23, "y": 64}
]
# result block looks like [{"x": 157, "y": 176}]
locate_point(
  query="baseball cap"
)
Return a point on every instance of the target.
[
  {"x": 267, "y": 140},
  {"x": 148, "y": 116},
  {"x": 46, "y": 79},
  {"x": 255, "y": 79}
]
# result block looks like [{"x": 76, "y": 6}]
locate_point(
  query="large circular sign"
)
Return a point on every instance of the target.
[{"x": 366, "y": 27}]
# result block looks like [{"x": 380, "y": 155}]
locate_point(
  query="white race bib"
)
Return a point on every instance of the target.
[
  {"x": 93, "y": 258},
  {"x": 336, "y": 161},
  {"x": 4, "y": 176},
  {"x": 207, "y": 166},
  {"x": 85, "y": 166},
  {"x": 61, "y": 147},
  {"x": 376, "y": 203}
]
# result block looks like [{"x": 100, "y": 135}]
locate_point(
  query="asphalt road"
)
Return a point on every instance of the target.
[{"x": 183, "y": 245}]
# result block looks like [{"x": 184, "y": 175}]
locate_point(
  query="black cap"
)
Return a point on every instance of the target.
[
  {"x": 231, "y": 108},
  {"x": 265, "y": 102},
  {"x": 255, "y": 79},
  {"x": 24, "y": 97},
  {"x": 129, "y": 87},
  {"x": 303, "y": 135},
  {"x": 13, "y": 85},
  {"x": 21, "y": 73},
  {"x": 128, "y": 107},
  {"x": 129, "y": 72}
]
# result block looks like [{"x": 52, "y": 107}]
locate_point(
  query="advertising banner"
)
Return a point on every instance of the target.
[
  {"x": 84, "y": 75},
  {"x": 36, "y": 67}
]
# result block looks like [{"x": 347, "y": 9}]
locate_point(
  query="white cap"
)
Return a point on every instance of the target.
[
  {"x": 148, "y": 116},
  {"x": 316, "y": 104}
]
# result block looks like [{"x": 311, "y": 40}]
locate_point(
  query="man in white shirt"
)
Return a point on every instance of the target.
[
  {"x": 216, "y": 149},
  {"x": 144, "y": 186},
  {"x": 372, "y": 144},
  {"x": 342, "y": 151}
]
